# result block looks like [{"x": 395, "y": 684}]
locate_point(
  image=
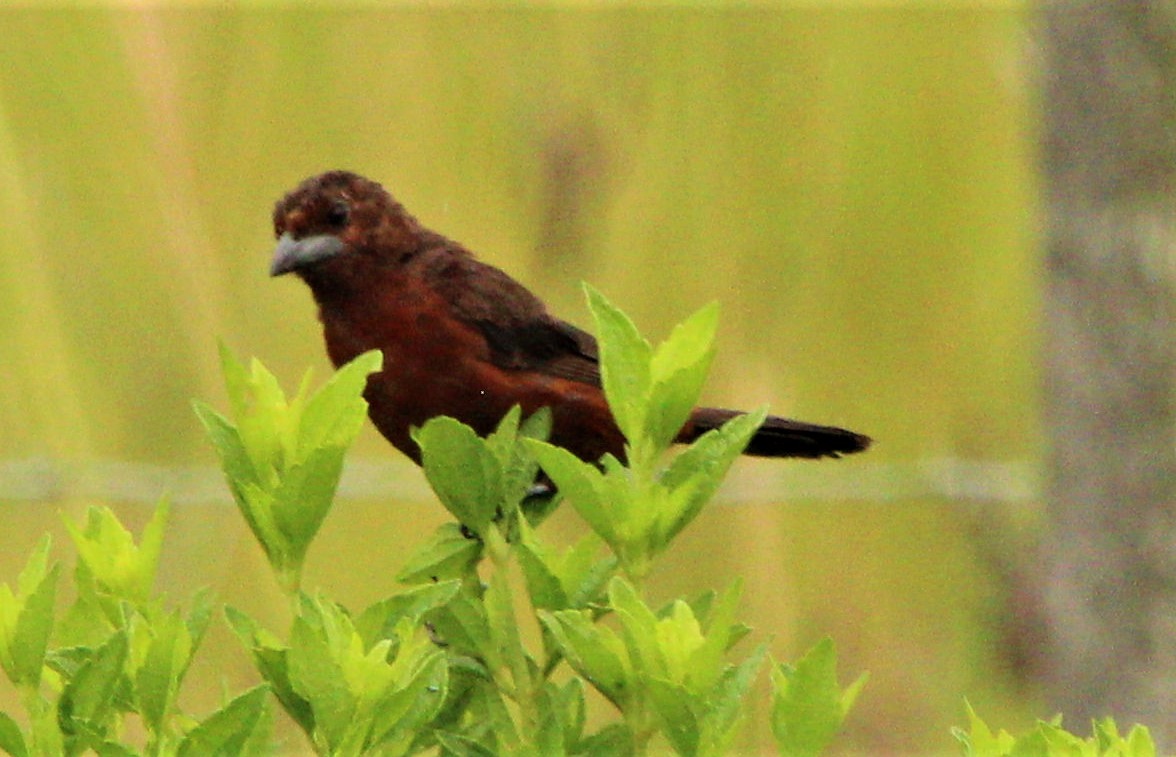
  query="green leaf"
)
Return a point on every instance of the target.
[
  {"x": 504, "y": 628},
  {"x": 169, "y": 647},
  {"x": 543, "y": 585},
  {"x": 725, "y": 701},
  {"x": 283, "y": 459},
  {"x": 678, "y": 721},
  {"x": 106, "y": 748},
  {"x": 614, "y": 740},
  {"x": 233, "y": 729},
  {"x": 335, "y": 413},
  {"x": 573, "y": 580},
  {"x": 198, "y": 618},
  {"x": 519, "y": 467},
  {"x": 239, "y": 472},
  {"x": 699, "y": 470},
  {"x": 1038, "y": 743},
  {"x": 12, "y": 740},
  {"x": 36, "y": 569},
  {"x": 88, "y": 699},
  {"x": 270, "y": 659},
  {"x": 122, "y": 568},
  {"x": 583, "y": 576},
  {"x": 1139, "y": 742},
  {"x": 1050, "y": 739},
  {"x": 317, "y": 675},
  {"x": 400, "y": 718},
  {"x": 624, "y": 364},
  {"x": 567, "y": 706},
  {"x": 150, "y": 546},
  {"x": 679, "y": 368},
  {"x": 808, "y": 706},
  {"x": 639, "y": 627},
  {"x": 979, "y": 739},
  {"x": 581, "y": 483},
  {"x": 706, "y": 661},
  {"x": 537, "y": 425},
  {"x": 490, "y": 722},
  {"x": 379, "y": 620},
  {"x": 459, "y": 745},
  {"x": 462, "y": 470},
  {"x": 263, "y": 421},
  {"x": 593, "y": 651},
  {"x": 560, "y": 718},
  {"x": 462, "y": 625},
  {"x": 302, "y": 499},
  {"x": 449, "y": 553},
  {"x": 26, "y": 620}
]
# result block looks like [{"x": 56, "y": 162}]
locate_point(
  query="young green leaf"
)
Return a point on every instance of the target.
[
  {"x": 567, "y": 708},
  {"x": 123, "y": 569},
  {"x": 88, "y": 699},
  {"x": 504, "y": 630},
  {"x": 334, "y": 414},
  {"x": 704, "y": 661},
  {"x": 271, "y": 659},
  {"x": 573, "y": 579},
  {"x": 460, "y": 745},
  {"x": 240, "y": 727},
  {"x": 725, "y": 701},
  {"x": 639, "y": 629},
  {"x": 283, "y": 459},
  {"x": 448, "y": 553},
  {"x": 12, "y": 740},
  {"x": 403, "y": 715},
  {"x": 543, "y": 585},
  {"x": 624, "y": 364},
  {"x": 379, "y": 620},
  {"x": 581, "y": 483},
  {"x": 462, "y": 470},
  {"x": 462, "y": 625},
  {"x": 593, "y": 651},
  {"x": 26, "y": 618},
  {"x": 301, "y": 500},
  {"x": 518, "y": 465},
  {"x": 700, "y": 468},
  {"x": 979, "y": 740},
  {"x": 318, "y": 640},
  {"x": 1050, "y": 738},
  {"x": 614, "y": 740},
  {"x": 162, "y": 646},
  {"x": 679, "y": 367},
  {"x": 808, "y": 706},
  {"x": 678, "y": 721}
]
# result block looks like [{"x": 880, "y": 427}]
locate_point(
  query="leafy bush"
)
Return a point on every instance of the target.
[{"x": 443, "y": 663}]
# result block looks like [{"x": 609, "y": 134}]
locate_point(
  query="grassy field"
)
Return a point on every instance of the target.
[{"x": 854, "y": 185}]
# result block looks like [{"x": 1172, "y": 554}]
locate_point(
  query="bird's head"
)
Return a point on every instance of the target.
[{"x": 339, "y": 225}]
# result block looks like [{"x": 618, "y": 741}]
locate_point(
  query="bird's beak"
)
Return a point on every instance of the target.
[{"x": 293, "y": 254}]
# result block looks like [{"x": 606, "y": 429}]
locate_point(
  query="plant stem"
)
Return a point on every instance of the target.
[{"x": 522, "y": 676}]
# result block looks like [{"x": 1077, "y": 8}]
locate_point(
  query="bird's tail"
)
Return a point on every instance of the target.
[{"x": 780, "y": 437}]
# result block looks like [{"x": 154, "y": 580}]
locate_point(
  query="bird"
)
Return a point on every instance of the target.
[{"x": 460, "y": 337}]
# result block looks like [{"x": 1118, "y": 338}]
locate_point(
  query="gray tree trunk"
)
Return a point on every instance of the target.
[{"x": 1109, "y": 575}]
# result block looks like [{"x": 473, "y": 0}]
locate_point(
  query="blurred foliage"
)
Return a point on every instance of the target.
[{"x": 854, "y": 185}]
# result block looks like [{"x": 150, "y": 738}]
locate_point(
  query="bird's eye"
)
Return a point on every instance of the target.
[{"x": 339, "y": 214}]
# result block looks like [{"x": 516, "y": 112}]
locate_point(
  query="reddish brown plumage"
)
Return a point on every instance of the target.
[{"x": 459, "y": 337}]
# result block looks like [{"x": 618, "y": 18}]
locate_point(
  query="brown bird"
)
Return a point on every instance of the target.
[{"x": 460, "y": 337}]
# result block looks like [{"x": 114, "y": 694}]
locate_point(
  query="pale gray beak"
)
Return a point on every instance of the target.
[{"x": 293, "y": 254}]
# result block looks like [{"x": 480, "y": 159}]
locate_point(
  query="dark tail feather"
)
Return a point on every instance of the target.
[{"x": 780, "y": 437}]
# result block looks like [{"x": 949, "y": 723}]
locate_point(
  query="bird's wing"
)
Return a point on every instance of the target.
[
  {"x": 546, "y": 345},
  {"x": 519, "y": 331}
]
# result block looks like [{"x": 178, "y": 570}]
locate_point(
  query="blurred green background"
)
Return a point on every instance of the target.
[{"x": 854, "y": 185}]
